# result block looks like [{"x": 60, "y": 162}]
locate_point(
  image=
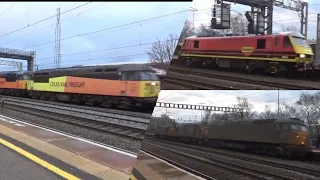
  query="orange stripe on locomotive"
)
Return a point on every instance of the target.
[
  {"x": 102, "y": 87},
  {"x": 18, "y": 84}
]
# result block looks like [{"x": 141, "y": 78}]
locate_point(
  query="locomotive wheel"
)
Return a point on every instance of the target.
[
  {"x": 288, "y": 153},
  {"x": 248, "y": 69},
  {"x": 188, "y": 62}
]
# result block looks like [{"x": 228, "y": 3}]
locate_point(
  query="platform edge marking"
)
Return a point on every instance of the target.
[
  {"x": 39, "y": 161},
  {"x": 72, "y": 136},
  {"x": 132, "y": 177}
]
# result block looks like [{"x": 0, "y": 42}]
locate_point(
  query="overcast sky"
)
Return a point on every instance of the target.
[
  {"x": 222, "y": 98},
  {"x": 281, "y": 16},
  {"x": 92, "y": 17}
]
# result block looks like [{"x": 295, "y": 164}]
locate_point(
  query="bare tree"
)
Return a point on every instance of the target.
[
  {"x": 290, "y": 28},
  {"x": 186, "y": 31},
  {"x": 204, "y": 30},
  {"x": 287, "y": 111},
  {"x": 161, "y": 52},
  {"x": 247, "y": 107},
  {"x": 218, "y": 117},
  {"x": 207, "y": 116},
  {"x": 308, "y": 109},
  {"x": 238, "y": 25},
  {"x": 268, "y": 113},
  {"x": 316, "y": 100}
]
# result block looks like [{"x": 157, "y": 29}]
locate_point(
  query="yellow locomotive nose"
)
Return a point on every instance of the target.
[{"x": 301, "y": 139}]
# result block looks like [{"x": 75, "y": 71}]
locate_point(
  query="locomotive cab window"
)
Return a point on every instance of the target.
[
  {"x": 110, "y": 70},
  {"x": 286, "y": 42},
  {"x": 139, "y": 76},
  {"x": 185, "y": 43},
  {"x": 98, "y": 70},
  {"x": 300, "y": 41},
  {"x": 196, "y": 44},
  {"x": 261, "y": 44},
  {"x": 11, "y": 78},
  {"x": 285, "y": 127},
  {"x": 23, "y": 77},
  {"x": 298, "y": 127},
  {"x": 19, "y": 77},
  {"x": 26, "y": 77}
]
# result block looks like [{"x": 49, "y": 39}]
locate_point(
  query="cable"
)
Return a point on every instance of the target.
[
  {"x": 114, "y": 27},
  {"x": 290, "y": 98},
  {"x": 110, "y": 57},
  {"x": 52, "y": 24},
  {"x": 121, "y": 47},
  {"x": 66, "y": 19},
  {"x": 8, "y": 8},
  {"x": 94, "y": 59},
  {"x": 104, "y": 50},
  {"x": 43, "y": 20},
  {"x": 168, "y": 95}
]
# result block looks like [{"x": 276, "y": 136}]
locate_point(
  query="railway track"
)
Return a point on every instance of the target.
[
  {"x": 178, "y": 165},
  {"x": 209, "y": 79},
  {"x": 83, "y": 107},
  {"x": 269, "y": 162},
  {"x": 133, "y": 127},
  {"x": 240, "y": 165}
]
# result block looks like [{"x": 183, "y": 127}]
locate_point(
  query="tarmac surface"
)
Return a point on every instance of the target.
[
  {"x": 14, "y": 166},
  {"x": 150, "y": 167},
  {"x": 69, "y": 157}
]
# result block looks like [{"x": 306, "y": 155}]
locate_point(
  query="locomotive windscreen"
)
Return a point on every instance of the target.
[
  {"x": 139, "y": 76},
  {"x": 148, "y": 76},
  {"x": 300, "y": 41},
  {"x": 298, "y": 127}
]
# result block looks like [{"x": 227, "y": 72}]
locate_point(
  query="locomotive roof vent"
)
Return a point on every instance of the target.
[
  {"x": 191, "y": 37},
  {"x": 297, "y": 119},
  {"x": 290, "y": 33}
]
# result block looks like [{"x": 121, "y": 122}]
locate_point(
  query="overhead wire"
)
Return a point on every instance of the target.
[
  {"x": 78, "y": 34},
  {"x": 43, "y": 20},
  {"x": 8, "y": 8},
  {"x": 168, "y": 95},
  {"x": 69, "y": 17},
  {"x": 106, "y": 29},
  {"x": 95, "y": 59},
  {"x": 100, "y": 50},
  {"x": 93, "y": 51}
]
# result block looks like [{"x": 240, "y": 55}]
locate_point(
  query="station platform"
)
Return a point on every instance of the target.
[
  {"x": 62, "y": 155},
  {"x": 150, "y": 167},
  {"x": 14, "y": 166}
]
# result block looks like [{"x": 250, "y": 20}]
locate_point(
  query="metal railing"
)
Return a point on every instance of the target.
[{"x": 17, "y": 52}]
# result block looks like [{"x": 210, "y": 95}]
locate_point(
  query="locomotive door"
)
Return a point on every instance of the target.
[
  {"x": 124, "y": 79},
  {"x": 170, "y": 131},
  {"x": 18, "y": 81},
  {"x": 204, "y": 132},
  {"x": 130, "y": 86}
]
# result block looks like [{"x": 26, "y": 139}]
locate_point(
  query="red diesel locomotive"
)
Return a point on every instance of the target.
[{"x": 288, "y": 52}]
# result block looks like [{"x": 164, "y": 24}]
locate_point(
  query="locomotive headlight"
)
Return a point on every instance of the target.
[
  {"x": 302, "y": 55},
  {"x": 297, "y": 136},
  {"x": 153, "y": 83}
]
